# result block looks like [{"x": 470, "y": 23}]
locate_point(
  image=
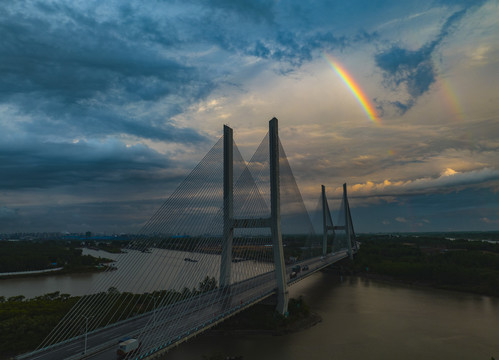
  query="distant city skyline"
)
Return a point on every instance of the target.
[{"x": 105, "y": 107}]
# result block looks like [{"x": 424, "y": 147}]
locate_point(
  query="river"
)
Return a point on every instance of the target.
[
  {"x": 135, "y": 272},
  {"x": 365, "y": 319}
]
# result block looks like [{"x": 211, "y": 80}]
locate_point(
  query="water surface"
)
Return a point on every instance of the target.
[{"x": 365, "y": 319}]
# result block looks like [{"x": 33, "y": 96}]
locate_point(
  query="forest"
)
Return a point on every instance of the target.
[
  {"x": 40, "y": 255},
  {"x": 24, "y": 323},
  {"x": 457, "y": 264}
]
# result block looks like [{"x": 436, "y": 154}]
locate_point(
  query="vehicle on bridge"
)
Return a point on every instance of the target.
[{"x": 128, "y": 347}]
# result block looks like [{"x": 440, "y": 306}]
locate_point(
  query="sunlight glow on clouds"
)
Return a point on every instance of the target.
[{"x": 449, "y": 178}]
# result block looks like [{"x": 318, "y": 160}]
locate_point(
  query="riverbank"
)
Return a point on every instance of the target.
[{"x": 18, "y": 273}]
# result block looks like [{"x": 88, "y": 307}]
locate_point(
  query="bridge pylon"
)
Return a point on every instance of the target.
[
  {"x": 352, "y": 243},
  {"x": 228, "y": 205},
  {"x": 348, "y": 227},
  {"x": 327, "y": 221},
  {"x": 273, "y": 222}
]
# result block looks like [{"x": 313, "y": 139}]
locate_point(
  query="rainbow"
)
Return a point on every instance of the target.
[
  {"x": 451, "y": 98},
  {"x": 354, "y": 88}
]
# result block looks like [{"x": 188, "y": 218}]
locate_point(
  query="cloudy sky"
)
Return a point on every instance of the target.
[{"x": 106, "y": 106}]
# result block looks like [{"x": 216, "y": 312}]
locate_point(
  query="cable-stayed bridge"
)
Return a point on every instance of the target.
[{"x": 232, "y": 234}]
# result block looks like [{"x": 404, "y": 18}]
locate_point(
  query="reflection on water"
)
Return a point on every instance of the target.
[
  {"x": 365, "y": 319},
  {"x": 136, "y": 272}
]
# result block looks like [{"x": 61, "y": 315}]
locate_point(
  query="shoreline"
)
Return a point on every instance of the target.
[
  {"x": 58, "y": 272},
  {"x": 29, "y": 272}
]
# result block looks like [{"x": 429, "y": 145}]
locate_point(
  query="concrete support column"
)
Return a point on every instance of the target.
[
  {"x": 228, "y": 231},
  {"x": 324, "y": 221},
  {"x": 275, "y": 210},
  {"x": 347, "y": 221}
]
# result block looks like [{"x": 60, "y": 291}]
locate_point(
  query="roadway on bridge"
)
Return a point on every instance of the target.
[{"x": 198, "y": 314}]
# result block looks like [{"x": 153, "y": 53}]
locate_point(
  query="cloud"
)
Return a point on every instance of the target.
[
  {"x": 413, "y": 71},
  {"x": 489, "y": 221},
  {"x": 57, "y": 164},
  {"x": 72, "y": 72},
  {"x": 257, "y": 11},
  {"x": 7, "y": 213},
  {"x": 448, "y": 172},
  {"x": 400, "y": 219},
  {"x": 449, "y": 179},
  {"x": 109, "y": 216}
]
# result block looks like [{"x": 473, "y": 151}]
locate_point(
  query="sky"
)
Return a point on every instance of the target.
[{"x": 106, "y": 106}]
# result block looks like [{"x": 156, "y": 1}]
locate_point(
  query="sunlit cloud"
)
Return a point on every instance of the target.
[
  {"x": 448, "y": 178},
  {"x": 489, "y": 221}
]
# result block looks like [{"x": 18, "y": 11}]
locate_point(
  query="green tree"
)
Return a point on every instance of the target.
[{"x": 207, "y": 284}]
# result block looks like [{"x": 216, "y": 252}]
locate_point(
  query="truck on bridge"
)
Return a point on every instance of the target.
[{"x": 127, "y": 347}]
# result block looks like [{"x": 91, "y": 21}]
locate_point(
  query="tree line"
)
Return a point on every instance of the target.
[
  {"x": 24, "y": 323},
  {"x": 471, "y": 266},
  {"x": 18, "y": 256}
]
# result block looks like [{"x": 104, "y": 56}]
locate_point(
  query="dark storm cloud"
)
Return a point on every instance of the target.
[
  {"x": 433, "y": 212},
  {"x": 96, "y": 121},
  {"x": 107, "y": 216},
  {"x": 287, "y": 34},
  {"x": 63, "y": 66},
  {"x": 77, "y": 61},
  {"x": 6, "y": 214},
  {"x": 53, "y": 165},
  {"x": 415, "y": 68},
  {"x": 255, "y": 10}
]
